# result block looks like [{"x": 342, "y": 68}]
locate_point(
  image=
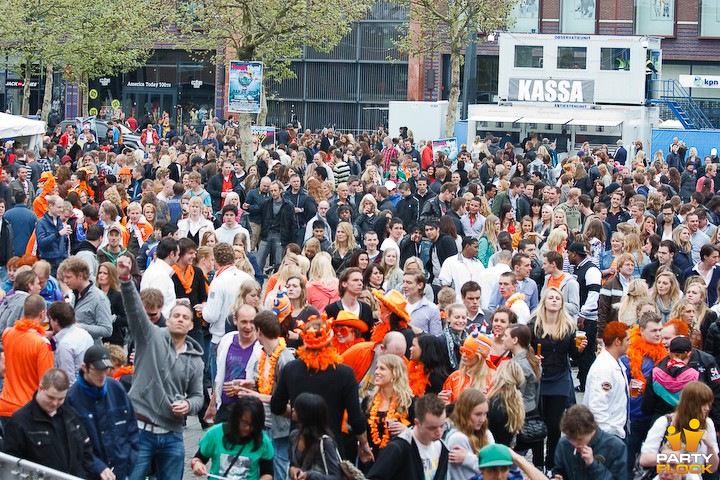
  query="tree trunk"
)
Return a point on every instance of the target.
[
  {"x": 262, "y": 115},
  {"x": 454, "y": 94},
  {"x": 85, "y": 98},
  {"x": 25, "y": 104},
  {"x": 245, "y": 137},
  {"x": 47, "y": 94}
]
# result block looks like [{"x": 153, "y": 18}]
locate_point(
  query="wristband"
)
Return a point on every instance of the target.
[
  {"x": 125, "y": 279},
  {"x": 194, "y": 461}
]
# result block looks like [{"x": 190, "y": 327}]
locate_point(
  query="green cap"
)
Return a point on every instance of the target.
[{"x": 495, "y": 455}]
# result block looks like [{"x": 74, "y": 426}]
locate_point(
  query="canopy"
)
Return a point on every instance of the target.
[
  {"x": 596, "y": 122},
  {"x": 14, "y": 126}
]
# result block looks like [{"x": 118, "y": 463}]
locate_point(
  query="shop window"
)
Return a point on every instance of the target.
[
  {"x": 577, "y": 16},
  {"x": 614, "y": 59},
  {"x": 655, "y": 17},
  {"x": 709, "y": 18},
  {"x": 572, "y": 58},
  {"x": 524, "y": 17},
  {"x": 528, "y": 56}
]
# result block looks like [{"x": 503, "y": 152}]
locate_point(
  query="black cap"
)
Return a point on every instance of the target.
[
  {"x": 578, "y": 248},
  {"x": 98, "y": 357},
  {"x": 680, "y": 345}
]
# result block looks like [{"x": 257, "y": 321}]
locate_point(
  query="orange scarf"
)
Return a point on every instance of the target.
[
  {"x": 319, "y": 360},
  {"x": 639, "y": 349},
  {"x": 341, "y": 347},
  {"x": 186, "y": 278},
  {"x": 379, "y": 332},
  {"x": 418, "y": 380},
  {"x": 125, "y": 370}
]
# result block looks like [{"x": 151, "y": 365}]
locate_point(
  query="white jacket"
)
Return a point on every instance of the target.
[
  {"x": 606, "y": 394},
  {"x": 223, "y": 290},
  {"x": 222, "y": 351}
]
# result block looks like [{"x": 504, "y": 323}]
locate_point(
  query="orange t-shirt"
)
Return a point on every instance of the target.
[
  {"x": 555, "y": 282},
  {"x": 28, "y": 355},
  {"x": 458, "y": 381}
]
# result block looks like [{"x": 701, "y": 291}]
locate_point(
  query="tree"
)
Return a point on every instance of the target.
[
  {"x": 446, "y": 25},
  {"x": 267, "y": 31}
]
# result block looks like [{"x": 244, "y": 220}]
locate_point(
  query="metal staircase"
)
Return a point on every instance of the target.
[{"x": 671, "y": 95}]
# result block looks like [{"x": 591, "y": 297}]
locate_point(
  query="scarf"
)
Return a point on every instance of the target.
[
  {"x": 91, "y": 391},
  {"x": 454, "y": 342},
  {"x": 664, "y": 311},
  {"x": 113, "y": 257},
  {"x": 640, "y": 349},
  {"x": 186, "y": 278}
]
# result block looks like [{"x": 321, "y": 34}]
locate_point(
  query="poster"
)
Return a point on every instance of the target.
[
  {"x": 245, "y": 87},
  {"x": 584, "y": 9},
  {"x": 80, "y": 123},
  {"x": 448, "y": 146},
  {"x": 264, "y": 135},
  {"x": 660, "y": 10}
]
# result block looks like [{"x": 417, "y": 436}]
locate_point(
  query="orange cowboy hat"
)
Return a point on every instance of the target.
[
  {"x": 349, "y": 319},
  {"x": 45, "y": 177},
  {"x": 395, "y": 302}
]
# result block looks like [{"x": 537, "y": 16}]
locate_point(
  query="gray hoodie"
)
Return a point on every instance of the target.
[
  {"x": 570, "y": 289},
  {"x": 161, "y": 375},
  {"x": 11, "y": 309}
]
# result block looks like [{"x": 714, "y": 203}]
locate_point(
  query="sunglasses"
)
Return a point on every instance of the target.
[
  {"x": 467, "y": 352},
  {"x": 343, "y": 331}
]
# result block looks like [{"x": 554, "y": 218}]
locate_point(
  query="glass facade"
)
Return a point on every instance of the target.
[
  {"x": 655, "y": 17},
  {"x": 577, "y": 16},
  {"x": 348, "y": 87},
  {"x": 709, "y": 18},
  {"x": 173, "y": 81},
  {"x": 486, "y": 74},
  {"x": 524, "y": 17}
]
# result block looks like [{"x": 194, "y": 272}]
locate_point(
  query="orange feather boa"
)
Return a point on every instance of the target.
[{"x": 639, "y": 349}]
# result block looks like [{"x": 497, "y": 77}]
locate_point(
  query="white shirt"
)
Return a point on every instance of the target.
[
  {"x": 606, "y": 394},
  {"x": 223, "y": 290},
  {"x": 489, "y": 280},
  {"x": 71, "y": 344},
  {"x": 458, "y": 270},
  {"x": 227, "y": 235},
  {"x": 158, "y": 275}
]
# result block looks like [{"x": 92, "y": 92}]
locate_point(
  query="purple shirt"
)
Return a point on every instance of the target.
[{"x": 235, "y": 365}]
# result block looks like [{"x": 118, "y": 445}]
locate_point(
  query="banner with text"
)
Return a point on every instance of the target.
[
  {"x": 245, "y": 87},
  {"x": 700, "y": 81},
  {"x": 262, "y": 136},
  {"x": 448, "y": 146},
  {"x": 550, "y": 90}
]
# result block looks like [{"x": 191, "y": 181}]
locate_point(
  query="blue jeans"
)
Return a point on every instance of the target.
[
  {"x": 166, "y": 451},
  {"x": 271, "y": 243},
  {"x": 281, "y": 460}
]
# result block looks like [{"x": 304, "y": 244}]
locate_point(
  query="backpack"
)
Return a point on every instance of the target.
[{"x": 541, "y": 170}]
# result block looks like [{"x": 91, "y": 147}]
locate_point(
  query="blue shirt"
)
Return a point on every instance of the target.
[{"x": 527, "y": 286}]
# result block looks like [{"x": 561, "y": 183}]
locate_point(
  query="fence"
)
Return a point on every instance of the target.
[{"x": 14, "y": 468}]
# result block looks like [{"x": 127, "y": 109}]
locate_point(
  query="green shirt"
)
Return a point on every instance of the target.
[{"x": 247, "y": 465}]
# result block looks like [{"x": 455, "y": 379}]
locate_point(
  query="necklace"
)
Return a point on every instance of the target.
[
  {"x": 266, "y": 386},
  {"x": 374, "y": 421}
]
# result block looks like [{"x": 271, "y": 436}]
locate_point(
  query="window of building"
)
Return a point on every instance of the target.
[
  {"x": 528, "y": 56},
  {"x": 655, "y": 17},
  {"x": 709, "y": 18},
  {"x": 524, "y": 17},
  {"x": 614, "y": 59},
  {"x": 577, "y": 16},
  {"x": 573, "y": 58}
]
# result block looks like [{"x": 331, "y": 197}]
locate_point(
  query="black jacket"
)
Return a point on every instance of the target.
[
  {"x": 6, "y": 242},
  {"x": 304, "y": 201},
  {"x": 287, "y": 221},
  {"x": 433, "y": 210},
  {"x": 408, "y": 210},
  {"x": 31, "y": 435},
  {"x": 650, "y": 271},
  {"x": 365, "y": 315},
  {"x": 214, "y": 188},
  {"x": 400, "y": 460},
  {"x": 445, "y": 247}
]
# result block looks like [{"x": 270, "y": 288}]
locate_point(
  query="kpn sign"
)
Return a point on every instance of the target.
[
  {"x": 699, "y": 81},
  {"x": 551, "y": 90}
]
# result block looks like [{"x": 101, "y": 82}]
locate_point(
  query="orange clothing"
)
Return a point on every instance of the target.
[
  {"x": 458, "y": 381},
  {"x": 359, "y": 357},
  {"x": 40, "y": 206},
  {"x": 144, "y": 228},
  {"x": 28, "y": 355},
  {"x": 271, "y": 282},
  {"x": 555, "y": 282}
]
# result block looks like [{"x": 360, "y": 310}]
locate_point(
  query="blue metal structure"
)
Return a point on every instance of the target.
[{"x": 671, "y": 95}]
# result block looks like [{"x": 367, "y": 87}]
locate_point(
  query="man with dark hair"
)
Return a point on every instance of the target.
[
  {"x": 350, "y": 285},
  {"x": 708, "y": 270},
  {"x": 585, "y": 451},
  {"x": 418, "y": 452},
  {"x": 23, "y": 221},
  {"x": 107, "y": 414},
  {"x": 189, "y": 282},
  {"x": 511, "y": 196},
  {"x": 276, "y": 230},
  {"x": 423, "y": 193},
  {"x": 159, "y": 272},
  {"x": 471, "y": 294},
  {"x": 92, "y": 306},
  {"x": 47, "y": 432},
  {"x": 223, "y": 183},
  {"x": 665, "y": 257},
  {"x": 28, "y": 355},
  {"x": 371, "y": 242},
  {"x": 71, "y": 341},
  {"x": 230, "y": 227},
  {"x": 253, "y": 205},
  {"x": 616, "y": 213},
  {"x": 521, "y": 266},
  {"x": 457, "y": 270},
  {"x": 87, "y": 249},
  {"x": 53, "y": 234},
  {"x": 408, "y": 208},
  {"x": 442, "y": 248},
  {"x": 438, "y": 206}
]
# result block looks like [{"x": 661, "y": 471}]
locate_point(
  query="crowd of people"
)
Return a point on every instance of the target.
[{"x": 358, "y": 307}]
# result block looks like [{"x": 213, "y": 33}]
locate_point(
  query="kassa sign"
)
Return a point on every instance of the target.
[{"x": 551, "y": 90}]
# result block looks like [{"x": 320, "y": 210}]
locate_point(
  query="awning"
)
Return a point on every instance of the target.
[
  {"x": 540, "y": 120},
  {"x": 596, "y": 122},
  {"x": 494, "y": 118}
]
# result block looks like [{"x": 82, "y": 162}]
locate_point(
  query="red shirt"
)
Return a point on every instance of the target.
[{"x": 226, "y": 187}]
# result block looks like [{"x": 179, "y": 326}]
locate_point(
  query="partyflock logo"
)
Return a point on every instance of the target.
[{"x": 684, "y": 460}]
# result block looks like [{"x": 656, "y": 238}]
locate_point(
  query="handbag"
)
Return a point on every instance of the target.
[
  {"x": 348, "y": 471},
  {"x": 533, "y": 431}
]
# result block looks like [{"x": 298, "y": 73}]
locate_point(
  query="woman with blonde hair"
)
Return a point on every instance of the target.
[
  {"x": 637, "y": 293},
  {"x": 488, "y": 242},
  {"x": 665, "y": 293},
  {"x": 683, "y": 247},
  {"x": 393, "y": 273},
  {"x": 195, "y": 225},
  {"x": 276, "y": 282},
  {"x": 507, "y": 410},
  {"x": 633, "y": 246},
  {"x": 311, "y": 248},
  {"x": 322, "y": 287},
  {"x": 328, "y": 189},
  {"x": 371, "y": 176},
  {"x": 553, "y": 337},
  {"x": 470, "y": 432},
  {"x": 367, "y": 215},
  {"x": 314, "y": 189},
  {"x": 475, "y": 370},
  {"x": 556, "y": 242},
  {"x": 209, "y": 239},
  {"x": 696, "y": 294},
  {"x": 343, "y": 246},
  {"x": 249, "y": 294},
  {"x": 389, "y": 404},
  {"x": 544, "y": 225}
]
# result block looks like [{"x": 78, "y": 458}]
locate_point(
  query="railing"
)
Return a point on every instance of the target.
[
  {"x": 14, "y": 468},
  {"x": 679, "y": 101}
]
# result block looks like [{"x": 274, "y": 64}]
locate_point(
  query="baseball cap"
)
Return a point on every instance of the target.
[
  {"x": 680, "y": 345},
  {"x": 115, "y": 227},
  {"x": 98, "y": 357},
  {"x": 390, "y": 185},
  {"x": 494, "y": 455},
  {"x": 578, "y": 248}
]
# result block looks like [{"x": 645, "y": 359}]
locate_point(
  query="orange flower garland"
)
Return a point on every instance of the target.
[
  {"x": 266, "y": 386},
  {"x": 319, "y": 360},
  {"x": 418, "y": 380},
  {"x": 374, "y": 420}
]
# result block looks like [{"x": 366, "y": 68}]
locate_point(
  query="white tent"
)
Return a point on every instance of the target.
[{"x": 28, "y": 131}]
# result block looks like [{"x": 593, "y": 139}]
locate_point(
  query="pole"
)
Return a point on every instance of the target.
[{"x": 470, "y": 80}]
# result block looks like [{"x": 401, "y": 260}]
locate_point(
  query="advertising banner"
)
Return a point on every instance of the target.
[
  {"x": 245, "y": 87},
  {"x": 262, "y": 136},
  {"x": 549, "y": 90},
  {"x": 448, "y": 146},
  {"x": 700, "y": 81}
]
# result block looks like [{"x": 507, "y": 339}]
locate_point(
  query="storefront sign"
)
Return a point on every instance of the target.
[
  {"x": 700, "y": 81},
  {"x": 550, "y": 90},
  {"x": 149, "y": 84},
  {"x": 104, "y": 81},
  {"x": 245, "y": 87},
  {"x": 20, "y": 83},
  {"x": 196, "y": 83}
]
